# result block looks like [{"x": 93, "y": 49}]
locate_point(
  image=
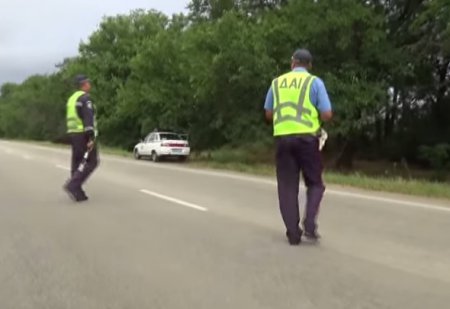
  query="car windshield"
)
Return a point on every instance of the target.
[{"x": 170, "y": 136}]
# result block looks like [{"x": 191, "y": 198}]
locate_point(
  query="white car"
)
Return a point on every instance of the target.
[{"x": 163, "y": 144}]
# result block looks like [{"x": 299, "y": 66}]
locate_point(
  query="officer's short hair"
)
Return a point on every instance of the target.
[{"x": 302, "y": 56}]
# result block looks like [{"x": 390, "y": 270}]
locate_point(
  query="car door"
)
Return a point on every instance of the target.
[
  {"x": 147, "y": 145},
  {"x": 154, "y": 143},
  {"x": 141, "y": 146}
]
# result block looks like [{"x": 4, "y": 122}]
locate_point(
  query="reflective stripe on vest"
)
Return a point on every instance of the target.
[
  {"x": 74, "y": 122},
  {"x": 293, "y": 111}
]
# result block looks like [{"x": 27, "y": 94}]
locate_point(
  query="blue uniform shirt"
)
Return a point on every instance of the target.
[{"x": 318, "y": 95}]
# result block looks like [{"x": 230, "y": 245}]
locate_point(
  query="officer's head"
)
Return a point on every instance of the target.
[
  {"x": 83, "y": 83},
  {"x": 301, "y": 58}
]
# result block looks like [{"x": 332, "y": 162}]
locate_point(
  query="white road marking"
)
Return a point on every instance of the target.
[
  {"x": 62, "y": 167},
  {"x": 27, "y": 157},
  {"x": 174, "y": 200},
  {"x": 261, "y": 180},
  {"x": 389, "y": 200}
]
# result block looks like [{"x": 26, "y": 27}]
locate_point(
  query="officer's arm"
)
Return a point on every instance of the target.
[
  {"x": 326, "y": 116},
  {"x": 86, "y": 113},
  {"x": 269, "y": 116},
  {"x": 322, "y": 101},
  {"x": 268, "y": 106}
]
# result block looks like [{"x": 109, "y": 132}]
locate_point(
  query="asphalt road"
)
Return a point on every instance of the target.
[{"x": 166, "y": 236}]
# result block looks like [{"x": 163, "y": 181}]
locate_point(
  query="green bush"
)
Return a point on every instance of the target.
[{"x": 438, "y": 157}]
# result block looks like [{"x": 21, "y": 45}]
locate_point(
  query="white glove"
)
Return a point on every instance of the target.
[{"x": 322, "y": 138}]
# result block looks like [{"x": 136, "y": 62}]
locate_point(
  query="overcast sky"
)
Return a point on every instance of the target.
[{"x": 37, "y": 34}]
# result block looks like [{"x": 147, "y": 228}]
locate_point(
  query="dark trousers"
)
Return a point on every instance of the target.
[
  {"x": 297, "y": 154},
  {"x": 79, "y": 147}
]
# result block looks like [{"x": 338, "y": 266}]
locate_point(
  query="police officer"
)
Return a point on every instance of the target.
[
  {"x": 296, "y": 103},
  {"x": 81, "y": 128}
]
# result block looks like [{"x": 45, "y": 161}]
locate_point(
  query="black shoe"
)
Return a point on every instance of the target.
[
  {"x": 294, "y": 240},
  {"x": 81, "y": 198},
  {"x": 75, "y": 196},
  {"x": 313, "y": 236},
  {"x": 83, "y": 195}
]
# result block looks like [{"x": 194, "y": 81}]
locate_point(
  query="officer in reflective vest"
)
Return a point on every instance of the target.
[
  {"x": 82, "y": 131},
  {"x": 296, "y": 104}
]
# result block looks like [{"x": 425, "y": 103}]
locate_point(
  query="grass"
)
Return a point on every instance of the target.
[
  {"x": 254, "y": 160},
  {"x": 116, "y": 151},
  {"x": 387, "y": 180},
  {"x": 412, "y": 187}
]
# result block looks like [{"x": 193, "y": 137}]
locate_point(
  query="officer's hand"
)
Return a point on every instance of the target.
[{"x": 90, "y": 145}]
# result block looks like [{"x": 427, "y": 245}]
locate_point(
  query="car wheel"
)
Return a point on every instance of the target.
[
  {"x": 137, "y": 156},
  {"x": 155, "y": 157}
]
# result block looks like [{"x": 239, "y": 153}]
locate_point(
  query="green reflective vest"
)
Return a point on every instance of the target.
[
  {"x": 74, "y": 122},
  {"x": 293, "y": 112}
]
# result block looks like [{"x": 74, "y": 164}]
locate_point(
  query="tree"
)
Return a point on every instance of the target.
[{"x": 107, "y": 57}]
